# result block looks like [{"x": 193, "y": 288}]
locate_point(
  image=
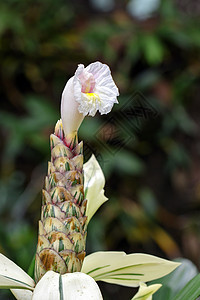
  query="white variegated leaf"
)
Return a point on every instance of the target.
[
  {"x": 69, "y": 286},
  {"x": 126, "y": 269},
  {"x": 94, "y": 182},
  {"x": 22, "y": 294},
  {"x": 80, "y": 286},
  {"x": 145, "y": 292},
  {"x": 48, "y": 287},
  {"x": 12, "y": 276}
]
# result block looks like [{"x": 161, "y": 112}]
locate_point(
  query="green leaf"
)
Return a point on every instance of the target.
[
  {"x": 127, "y": 270},
  {"x": 10, "y": 282},
  {"x": 31, "y": 268},
  {"x": 94, "y": 182},
  {"x": 153, "y": 49},
  {"x": 174, "y": 282},
  {"x": 191, "y": 291},
  {"x": 123, "y": 162}
]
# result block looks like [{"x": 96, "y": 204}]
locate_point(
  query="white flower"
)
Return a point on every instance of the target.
[
  {"x": 91, "y": 89},
  {"x": 94, "y": 89}
]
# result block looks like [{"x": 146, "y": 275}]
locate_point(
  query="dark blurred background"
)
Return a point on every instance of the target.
[{"x": 148, "y": 147}]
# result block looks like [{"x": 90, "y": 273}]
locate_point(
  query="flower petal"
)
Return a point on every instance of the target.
[
  {"x": 71, "y": 117},
  {"x": 91, "y": 89},
  {"x": 98, "y": 92},
  {"x": 145, "y": 292},
  {"x": 12, "y": 276},
  {"x": 126, "y": 269},
  {"x": 94, "y": 182},
  {"x": 102, "y": 75},
  {"x": 22, "y": 294},
  {"x": 69, "y": 286}
]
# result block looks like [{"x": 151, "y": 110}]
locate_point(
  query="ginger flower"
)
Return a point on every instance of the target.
[
  {"x": 91, "y": 89},
  {"x": 94, "y": 89}
]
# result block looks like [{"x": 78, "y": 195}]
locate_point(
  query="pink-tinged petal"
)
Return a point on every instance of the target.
[
  {"x": 87, "y": 82},
  {"x": 103, "y": 78},
  {"x": 91, "y": 89},
  {"x": 98, "y": 90},
  {"x": 98, "y": 70}
]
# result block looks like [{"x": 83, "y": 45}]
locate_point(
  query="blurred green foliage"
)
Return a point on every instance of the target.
[
  {"x": 176, "y": 281},
  {"x": 152, "y": 168}
]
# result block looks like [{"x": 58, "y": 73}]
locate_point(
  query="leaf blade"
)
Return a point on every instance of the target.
[
  {"x": 191, "y": 290},
  {"x": 22, "y": 294},
  {"x": 145, "y": 292},
  {"x": 12, "y": 276},
  {"x": 127, "y": 270}
]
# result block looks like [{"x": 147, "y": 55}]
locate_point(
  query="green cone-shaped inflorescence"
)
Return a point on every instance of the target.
[{"x": 62, "y": 228}]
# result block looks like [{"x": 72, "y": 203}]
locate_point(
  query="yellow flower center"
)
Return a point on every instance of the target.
[{"x": 93, "y": 97}]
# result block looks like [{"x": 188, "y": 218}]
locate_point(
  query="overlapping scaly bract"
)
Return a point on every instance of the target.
[{"x": 62, "y": 228}]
